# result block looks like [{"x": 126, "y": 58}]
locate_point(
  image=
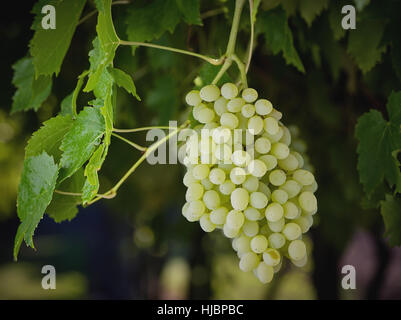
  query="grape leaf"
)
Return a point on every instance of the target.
[
  {"x": 31, "y": 92},
  {"x": 310, "y": 9},
  {"x": 151, "y": 21},
  {"x": 391, "y": 212},
  {"x": 91, "y": 185},
  {"x": 163, "y": 98},
  {"x": 69, "y": 103},
  {"x": 123, "y": 80},
  {"x": 48, "y": 138},
  {"x": 35, "y": 191},
  {"x": 274, "y": 25},
  {"x": 364, "y": 43},
  {"x": 335, "y": 18},
  {"x": 49, "y": 46},
  {"x": 104, "y": 47},
  {"x": 190, "y": 11},
  {"x": 64, "y": 207},
  {"x": 378, "y": 140},
  {"x": 81, "y": 140}
]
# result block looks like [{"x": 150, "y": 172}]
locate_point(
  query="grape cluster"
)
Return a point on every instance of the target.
[{"x": 250, "y": 183}]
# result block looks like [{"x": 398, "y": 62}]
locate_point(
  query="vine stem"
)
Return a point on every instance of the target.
[
  {"x": 241, "y": 68},
  {"x": 239, "y": 4},
  {"x": 136, "y": 146},
  {"x": 230, "y": 55},
  {"x": 212, "y": 61},
  {"x": 140, "y": 129},
  {"x": 248, "y": 63},
  {"x": 113, "y": 191}
]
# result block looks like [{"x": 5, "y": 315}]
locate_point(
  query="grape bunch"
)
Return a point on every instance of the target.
[{"x": 244, "y": 178}]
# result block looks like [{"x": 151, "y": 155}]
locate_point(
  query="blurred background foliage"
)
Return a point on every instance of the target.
[{"x": 138, "y": 245}]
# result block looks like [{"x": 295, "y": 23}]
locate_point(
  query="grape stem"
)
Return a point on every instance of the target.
[
  {"x": 140, "y": 129},
  {"x": 212, "y": 61},
  {"x": 248, "y": 63},
  {"x": 113, "y": 191},
  {"x": 92, "y": 13},
  {"x": 133, "y": 144},
  {"x": 230, "y": 51}
]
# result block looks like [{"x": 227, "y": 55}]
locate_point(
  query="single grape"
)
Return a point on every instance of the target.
[
  {"x": 218, "y": 216},
  {"x": 193, "y": 98},
  {"x": 263, "y": 107},
  {"x": 297, "y": 250},
  {"x": 249, "y": 95},
  {"x": 239, "y": 199},
  {"x": 229, "y": 90},
  {"x": 209, "y": 93}
]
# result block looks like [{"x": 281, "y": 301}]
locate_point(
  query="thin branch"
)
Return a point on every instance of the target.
[
  {"x": 212, "y": 13},
  {"x": 248, "y": 63},
  {"x": 133, "y": 144},
  {"x": 65, "y": 193},
  {"x": 212, "y": 61},
  {"x": 141, "y": 129}
]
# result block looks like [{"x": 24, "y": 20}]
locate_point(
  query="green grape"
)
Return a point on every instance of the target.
[
  {"x": 277, "y": 177},
  {"x": 194, "y": 192},
  {"x": 307, "y": 201},
  {"x": 249, "y": 95},
  {"x": 271, "y": 257},
  {"x": 235, "y": 219},
  {"x": 263, "y": 107},
  {"x": 220, "y": 106},
  {"x": 206, "y": 224},
  {"x": 280, "y": 150},
  {"x": 218, "y": 216},
  {"x": 193, "y": 98},
  {"x": 200, "y": 171},
  {"x": 291, "y": 187},
  {"x": 270, "y": 124},
  {"x": 239, "y": 199},
  {"x": 249, "y": 261},
  {"x": 251, "y": 184},
  {"x": 274, "y": 212},
  {"x": 262, "y": 145},
  {"x": 297, "y": 250},
  {"x": 210, "y": 93},
  {"x": 264, "y": 272},
  {"x": 269, "y": 160},
  {"x": 211, "y": 199},
  {"x": 229, "y": 120},
  {"x": 292, "y": 231},
  {"x": 229, "y": 90},
  {"x": 259, "y": 244},
  {"x": 257, "y": 168},
  {"x": 250, "y": 228},
  {"x": 258, "y": 200},
  {"x": 276, "y": 226},
  {"x": 235, "y": 105},
  {"x": 291, "y": 211},
  {"x": 217, "y": 176},
  {"x": 248, "y": 110},
  {"x": 252, "y": 214},
  {"x": 227, "y": 187},
  {"x": 279, "y": 196},
  {"x": 276, "y": 240},
  {"x": 255, "y": 125},
  {"x": 303, "y": 177},
  {"x": 237, "y": 175}
]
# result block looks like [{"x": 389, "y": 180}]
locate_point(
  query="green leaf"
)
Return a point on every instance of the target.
[
  {"x": 104, "y": 47},
  {"x": 364, "y": 43},
  {"x": 163, "y": 98},
  {"x": 49, "y": 46},
  {"x": 66, "y": 105},
  {"x": 335, "y": 18},
  {"x": 64, "y": 207},
  {"x": 190, "y": 11},
  {"x": 310, "y": 9},
  {"x": 274, "y": 25},
  {"x": 35, "y": 191},
  {"x": 91, "y": 185},
  {"x": 81, "y": 140},
  {"x": 378, "y": 140},
  {"x": 31, "y": 92},
  {"x": 48, "y": 138},
  {"x": 125, "y": 81},
  {"x": 391, "y": 212},
  {"x": 152, "y": 20},
  {"x": 69, "y": 103}
]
